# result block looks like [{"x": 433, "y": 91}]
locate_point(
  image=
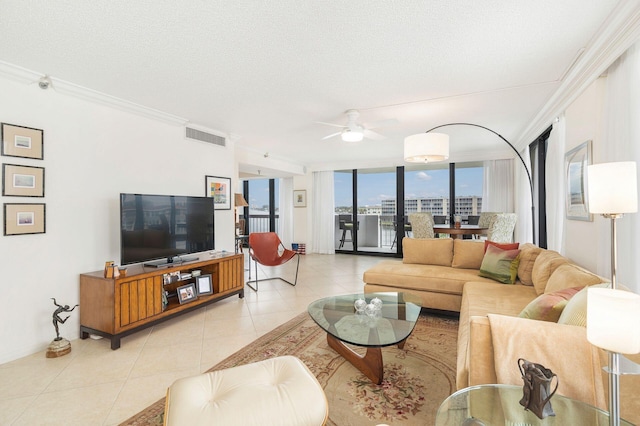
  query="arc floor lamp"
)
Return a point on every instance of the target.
[{"x": 430, "y": 147}]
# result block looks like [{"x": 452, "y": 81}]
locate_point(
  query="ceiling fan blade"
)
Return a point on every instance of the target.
[
  {"x": 369, "y": 134},
  {"x": 331, "y": 135},
  {"x": 330, "y": 124}
]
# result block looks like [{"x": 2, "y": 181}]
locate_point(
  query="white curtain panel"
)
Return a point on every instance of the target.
[
  {"x": 498, "y": 186},
  {"x": 620, "y": 142},
  {"x": 322, "y": 214},
  {"x": 285, "y": 212},
  {"x": 555, "y": 184},
  {"x": 524, "y": 227}
]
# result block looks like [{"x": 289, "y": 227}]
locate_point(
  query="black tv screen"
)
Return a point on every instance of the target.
[{"x": 164, "y": 227}]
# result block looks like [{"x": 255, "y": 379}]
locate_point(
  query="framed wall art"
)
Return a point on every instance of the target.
[
  {"x": 576, "y": 197},
  {"x": 204, "y": 284},
  {"x": 22, "y": 181},
  {"x": 20, "y": 141},
  {"x": 21, "y": 219},
  {"x": 187, "y": 293},
  {"x": 300, "y": 198},
  {"x": 219, "y": 188}
]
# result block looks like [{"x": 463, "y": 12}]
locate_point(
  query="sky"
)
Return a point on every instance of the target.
[{"x": 374, "y": 187}]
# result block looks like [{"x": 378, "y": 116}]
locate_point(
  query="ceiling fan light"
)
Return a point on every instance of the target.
[
  {"x": 426, "y": 147},
  {"x": 349, "y": 135}
]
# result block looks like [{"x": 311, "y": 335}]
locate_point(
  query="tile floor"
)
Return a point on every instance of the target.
[{"x": 94, "y": 385}]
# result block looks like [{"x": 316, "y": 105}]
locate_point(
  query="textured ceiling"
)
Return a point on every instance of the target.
[{"x": 268, "y": 71}]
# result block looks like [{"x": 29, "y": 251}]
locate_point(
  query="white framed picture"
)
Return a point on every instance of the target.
[{"x": 300, "y": 198}]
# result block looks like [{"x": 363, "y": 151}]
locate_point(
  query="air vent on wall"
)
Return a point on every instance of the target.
[{"x": 205, "y": 137}]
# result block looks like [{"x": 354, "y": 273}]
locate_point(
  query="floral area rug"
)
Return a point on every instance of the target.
[{"x": 416, "y": 379}]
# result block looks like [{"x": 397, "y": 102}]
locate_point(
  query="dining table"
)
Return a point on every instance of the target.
[{"x": 459, "y": 231}]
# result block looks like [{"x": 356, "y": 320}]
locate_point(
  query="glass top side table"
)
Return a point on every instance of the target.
[{"x": 500, "y": 405}]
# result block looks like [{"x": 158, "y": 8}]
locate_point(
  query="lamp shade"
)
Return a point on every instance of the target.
[
  {"x": 239, "y": 201},
  {"x": 352, "y": 135},
  {"x": 612, "y": 187},
  {"x": 613, "y": 320},
  {"x": 426, "y": 147}
]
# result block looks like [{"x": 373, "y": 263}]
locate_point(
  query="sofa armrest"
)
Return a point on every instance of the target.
[{"x": 481, "y": 362}]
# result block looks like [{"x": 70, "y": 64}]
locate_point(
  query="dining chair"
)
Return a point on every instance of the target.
[
  {"x": 421, "y": 224},
  {"x": 266, "y": 249},
  {"x": 501, "y": 227}
]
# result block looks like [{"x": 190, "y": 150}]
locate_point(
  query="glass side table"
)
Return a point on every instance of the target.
[{"x": 500, "y": 405}]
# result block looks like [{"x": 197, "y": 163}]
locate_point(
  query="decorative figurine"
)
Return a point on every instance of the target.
[
  {"x": 537, "y": 388},
  {"x": 59, "y": 346}
]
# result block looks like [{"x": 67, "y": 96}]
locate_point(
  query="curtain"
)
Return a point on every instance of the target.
[
  {"x": 285, "y": 211},
  {"x": 555, "y": 186},
  {"x": 322, "y": 213},
  {"x": 524, "y": 226},
  {"x": 497, "y": 186},
  {"x": 621, "y": 133}
]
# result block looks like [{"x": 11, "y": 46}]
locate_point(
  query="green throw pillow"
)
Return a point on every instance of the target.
[
  {"x": 500, "y": 265},
  {"x": 549, "y": 306}
]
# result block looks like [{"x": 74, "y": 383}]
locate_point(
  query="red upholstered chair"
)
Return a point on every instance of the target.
[{"x": 266, "y": 249}]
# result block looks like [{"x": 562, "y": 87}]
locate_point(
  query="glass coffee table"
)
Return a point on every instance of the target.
[
  {"x": 500, "y": 405},
  {"x": 391, "y": 325}
]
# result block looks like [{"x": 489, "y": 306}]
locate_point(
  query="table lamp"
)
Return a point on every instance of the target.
[
  {"x": 239, "y": 201},
  {"x": 613, "y": 315}
]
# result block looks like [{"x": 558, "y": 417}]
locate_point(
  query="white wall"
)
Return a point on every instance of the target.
[
  {"x": 92, "y": 153},
  {"x": 583, "y": 123}
]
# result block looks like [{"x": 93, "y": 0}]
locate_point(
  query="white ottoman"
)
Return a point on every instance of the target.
[{"x": 277, "y": 391}]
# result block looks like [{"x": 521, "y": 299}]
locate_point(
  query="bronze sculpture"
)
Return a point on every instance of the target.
[{"x": 57, "y": 319}]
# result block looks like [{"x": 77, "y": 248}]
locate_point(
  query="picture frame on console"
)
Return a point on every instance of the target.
[
  {"x": 219, "y": 188},
  {"x": 187, "y": 293},
  {"x": 204, "y": 284},
  {"x": 21, "y": 141},
  {"x": 576, "y": 197},
  {"x": 22, "y": 181},
  {"x": 22, "y": 219}
]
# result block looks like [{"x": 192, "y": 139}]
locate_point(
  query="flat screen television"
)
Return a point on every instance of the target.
[{"x": 158, "y": 230}]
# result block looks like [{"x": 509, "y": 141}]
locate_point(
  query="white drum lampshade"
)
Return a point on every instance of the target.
[
  {"x": 612, "y": 188},
  {"x": 426, "y": 147},
  {"x": 613, "y": 320}
]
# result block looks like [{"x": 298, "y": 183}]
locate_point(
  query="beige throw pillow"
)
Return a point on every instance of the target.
[
  {"x": 467, "y": 254},
  {"x": 575, "y": 311},
  {"x": 427, "y": 251}
]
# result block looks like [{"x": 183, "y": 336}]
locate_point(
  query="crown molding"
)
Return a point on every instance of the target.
[{"x": 618, "y": 32}]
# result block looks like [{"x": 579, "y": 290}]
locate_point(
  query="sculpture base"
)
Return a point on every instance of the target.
[{"x": 58, "y": 348}]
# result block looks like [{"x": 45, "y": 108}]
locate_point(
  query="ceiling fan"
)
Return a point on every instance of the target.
[{"x": 352, "y": 131}]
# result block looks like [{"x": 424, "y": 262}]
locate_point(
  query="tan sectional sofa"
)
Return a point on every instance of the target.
[{"x": 491, "y": 336}]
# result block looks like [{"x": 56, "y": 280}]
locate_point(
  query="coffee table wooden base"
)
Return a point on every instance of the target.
[{"x": 370, "y": 364}]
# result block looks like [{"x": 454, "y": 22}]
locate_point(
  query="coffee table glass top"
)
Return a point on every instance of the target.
[
  {"x": 392, "y": 324},
  {"x": 500, "y": 405}
]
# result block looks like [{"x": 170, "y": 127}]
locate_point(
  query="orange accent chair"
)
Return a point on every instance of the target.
[{"x": 266, "y": 249}]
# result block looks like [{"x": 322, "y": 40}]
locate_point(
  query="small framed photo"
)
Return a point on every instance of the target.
[
  {"x": 21, "y": 219},
  {"x": 20, "y": 141},
  {"x": 219, "y": 188},
  {"x": 204, "y": 284},
  {"x": 22, "y": 181},
  {"x": 300, "y": 198},
  {"x": 187, "y": 293},
  {"x": 576, "y": 196}
]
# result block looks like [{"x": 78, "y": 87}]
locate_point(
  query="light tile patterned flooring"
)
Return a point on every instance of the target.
[{"x": 94, "y": 385}]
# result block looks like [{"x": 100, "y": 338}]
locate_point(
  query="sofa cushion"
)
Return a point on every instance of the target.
[
  {"x": 503, "y": 246},
  {"x": 528, "y": 255},
  {"x": 549, "y": 306},
  {"x": 467, "y": 254},
  {"x": 546, "y": 262},
  {"x": 429, "y": 251},
  {"x": 570, "y": 275},
  {"x": 500, "y": 265}
]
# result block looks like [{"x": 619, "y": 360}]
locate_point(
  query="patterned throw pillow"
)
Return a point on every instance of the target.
[
  {"x": 500, "y": 265},
  {"x": 503, "y": 246},
  {"x": 549, "y": 306}
]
